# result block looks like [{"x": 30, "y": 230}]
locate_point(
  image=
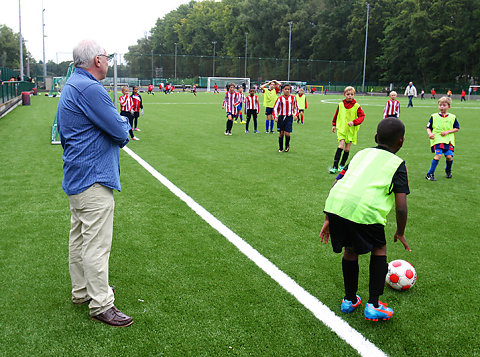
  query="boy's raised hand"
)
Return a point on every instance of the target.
[{"x": 402, "y": 239}]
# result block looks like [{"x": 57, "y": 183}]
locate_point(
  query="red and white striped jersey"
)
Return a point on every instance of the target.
[
  {"x": 137, "y": 102},
  {"x": 126, "y": 103},
  {"x": 285, "y": 106},
  {"x": 231, "y": 101},
  {"x": 392, "y": 108},
  {"x": 251, "y": 102},
  {"x": 242, "y": 97}
]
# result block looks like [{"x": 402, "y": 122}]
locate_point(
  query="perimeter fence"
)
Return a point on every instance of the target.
[{"x": 258, "y": 69}]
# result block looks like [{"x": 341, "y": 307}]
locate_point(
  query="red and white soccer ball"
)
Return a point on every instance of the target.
[{"x": 401, "y": 275}]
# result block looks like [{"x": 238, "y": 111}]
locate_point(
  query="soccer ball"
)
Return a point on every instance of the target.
[{"x": 401, "y": 275}]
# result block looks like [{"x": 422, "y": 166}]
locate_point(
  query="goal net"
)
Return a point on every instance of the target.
[
  {"x": 318, "y": 89},
  {"x": 222, "y": 82},
  {"x": 57, "y": 86},
  {"x": 473, "y": 90}
]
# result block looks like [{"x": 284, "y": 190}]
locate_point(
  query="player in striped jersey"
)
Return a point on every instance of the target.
[
  {"x": 126, "y": 109},
  {"x": 392, "y": 108},
  {"x": 230, "y": 104},
  {"x": 137, "y": 107},
  {"x": 284, "y": 110},
  {"x": 253, "y": 108},
  {"x": 241, "y": 95}
]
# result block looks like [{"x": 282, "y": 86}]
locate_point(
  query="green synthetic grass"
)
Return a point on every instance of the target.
[{"x": 188, "y": 289}]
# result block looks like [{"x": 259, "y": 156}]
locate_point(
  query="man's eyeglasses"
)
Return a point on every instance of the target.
[{"x": 108, "y": 57}]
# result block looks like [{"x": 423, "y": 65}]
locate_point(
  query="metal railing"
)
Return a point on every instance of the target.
[{"x": 12, "y": 89}]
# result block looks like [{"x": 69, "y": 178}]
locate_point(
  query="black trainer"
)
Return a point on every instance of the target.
[
  {"x": 448, "y": 175},
  {"x": 430, "y": 177}
]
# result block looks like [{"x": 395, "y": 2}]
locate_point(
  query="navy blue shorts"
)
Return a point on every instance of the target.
[
  {"x": 268, "y": 111},
  {"x": 445, "y": 149},
  {"x": 285, "y": 123}
]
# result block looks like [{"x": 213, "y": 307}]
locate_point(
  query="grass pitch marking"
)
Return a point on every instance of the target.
[{"x": 351, "y": 336}]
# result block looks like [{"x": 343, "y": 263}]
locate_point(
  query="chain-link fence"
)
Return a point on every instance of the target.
[{"x": 257, "y": 69}]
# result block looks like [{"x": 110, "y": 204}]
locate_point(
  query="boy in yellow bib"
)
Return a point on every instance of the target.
[
  {"x": 345, "y": 123},
  {"x": 356, "y": 210},
  {"x": 302, "y": 104},
  {"x": 440, "y": 129}
]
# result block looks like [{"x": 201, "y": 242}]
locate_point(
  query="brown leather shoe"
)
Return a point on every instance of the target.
[{"x": 114, "y": 317}]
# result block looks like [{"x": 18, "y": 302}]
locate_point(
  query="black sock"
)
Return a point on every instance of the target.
[
  {"x": 336, "y": 159},
  {"x": 350, "y": 279},
  {"x": 344, "y": 158},
  {"x": 448, "y": 167},
  {"x": 378, "y": 271},
  {"x": 287, "y": 141},
  {"x": 280, "y": 143},
  {"x": 131, "y": 133}
]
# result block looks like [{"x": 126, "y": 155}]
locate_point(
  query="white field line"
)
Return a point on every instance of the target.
[{"x": 321, "y": 311}]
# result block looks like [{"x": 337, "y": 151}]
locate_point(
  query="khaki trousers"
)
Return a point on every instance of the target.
[{"x": 89, "y": 247}]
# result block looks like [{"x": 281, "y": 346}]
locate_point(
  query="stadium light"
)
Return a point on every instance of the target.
[
  {"x": 214, "y": 43},
  {"x": 20, "y": 40},
  {"x": 289, "y": 48},
  {"x": 246, "y": 46},
  {"x": 365, "y": 55},
  {"x": 43, "y": 38}
]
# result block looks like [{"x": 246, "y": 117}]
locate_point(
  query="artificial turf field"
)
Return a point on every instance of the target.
[{"x": 189, "y": 290}]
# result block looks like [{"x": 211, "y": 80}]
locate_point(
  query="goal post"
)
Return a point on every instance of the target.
[
  {"x": 473, "y": 90},
  {"x": 221, "y": 82},
  {"x": 318, "y": 88},
  {"x": 57, "y": 86}
]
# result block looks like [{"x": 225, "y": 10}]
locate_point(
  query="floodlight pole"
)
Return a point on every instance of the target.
[
  {"x": 289, "y": 48},
  {"x": 175, "y": 61},
  {"x": 246, "y": 46},
  {"x": 214, "y": 43},
  {"x": 20, "y": 40},
  {"x": 365, "y": 55},
  {"x": 43, "y": 38},
  {"x": 152, "y": 67}
]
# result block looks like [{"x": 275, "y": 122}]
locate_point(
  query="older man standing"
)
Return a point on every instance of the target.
[
  {"x": 91, "y": 133},
  {"x": 410, "y": 92}
]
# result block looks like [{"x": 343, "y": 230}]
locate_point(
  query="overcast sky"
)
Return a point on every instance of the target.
[{"x": 113, "y": 24}]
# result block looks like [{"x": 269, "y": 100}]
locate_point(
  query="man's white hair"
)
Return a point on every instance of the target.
[{"x": 85, "y": 52}]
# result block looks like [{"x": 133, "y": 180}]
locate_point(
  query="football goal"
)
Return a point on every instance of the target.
[
  {"x": 57, "y": 86},
  {"x": 221, "y": 82},
  {"x": 473, "y": 90}
]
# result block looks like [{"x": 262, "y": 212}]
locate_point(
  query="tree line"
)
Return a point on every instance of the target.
[
  {"x": 425, "y": 41},
  {"x": 421, "y": 40}
]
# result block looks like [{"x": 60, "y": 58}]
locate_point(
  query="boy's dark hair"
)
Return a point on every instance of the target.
[
  {"x": 228, "y": 85},
  {"x": 285, "y": 85},
  {"x": 389, "y": 130}
]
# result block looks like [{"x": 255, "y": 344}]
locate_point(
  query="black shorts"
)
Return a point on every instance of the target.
[
  {"x": 136, "y": 115},
  {"x": 362, "y": 238},
  {"x": 285, "y": 123}
]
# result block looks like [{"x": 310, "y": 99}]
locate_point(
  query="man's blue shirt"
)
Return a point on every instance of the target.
[{"x": 91, "y": 132}]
